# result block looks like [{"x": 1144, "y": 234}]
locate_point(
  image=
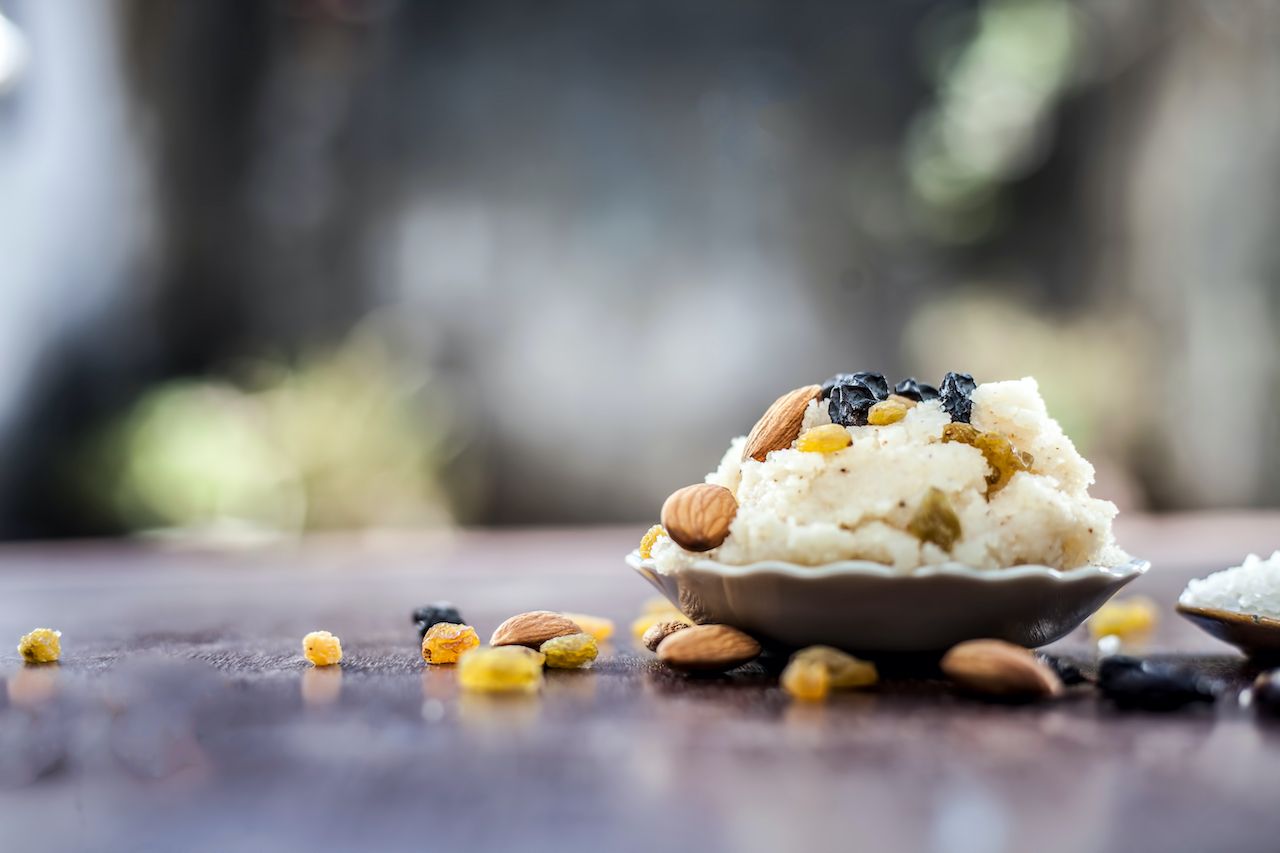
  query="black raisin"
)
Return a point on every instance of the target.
[
  {"x": 956, "y": 390},
  {"x": 1266, "y": 694},
  {"x": 1067, "y": 671},
  {"x": 852, "y": 395},
  {"x": 437, "y": 611},
  {"x": 1152, "y": 685},
  {"x": 914, "y": 389},
  {"x": 875, "y": 382}
]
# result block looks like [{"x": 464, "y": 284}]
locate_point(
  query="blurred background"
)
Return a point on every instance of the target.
[{"x": 273, "y": 267}]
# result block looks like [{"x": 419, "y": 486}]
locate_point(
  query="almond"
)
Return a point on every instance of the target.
[
  {"x": 697, "y": 517},
  {"x": 780, "y": 424},
  {"x": 707, "y": 647},
  {"x": 997, "y": 668},
  {"x": 533, "y": 629},
  {"x": 657, "y": 633}
]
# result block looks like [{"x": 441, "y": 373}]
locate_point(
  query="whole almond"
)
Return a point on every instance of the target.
[
  {"x": 780, "y": 424},
  {"x": 707, "y": 648},
  {"x": 997, "y": 668},
  {"x": 697, "y": 518},
  {"x": 657, "y": 633},
  {"x": 532, "y": 629}
]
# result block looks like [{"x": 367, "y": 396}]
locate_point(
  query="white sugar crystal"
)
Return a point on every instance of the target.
[{"x": 1253, "y": 587}]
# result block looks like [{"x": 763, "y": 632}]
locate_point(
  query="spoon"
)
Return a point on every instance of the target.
[{"x": 1256, "y": 636}]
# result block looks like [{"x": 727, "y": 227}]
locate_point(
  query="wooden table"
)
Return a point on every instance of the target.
[{"x": 183, "y": 719}]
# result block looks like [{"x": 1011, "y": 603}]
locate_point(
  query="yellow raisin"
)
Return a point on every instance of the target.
[
  {"x": 963, "y": 433},
  {"x": 651, "y": 536},
  {"x": 43, "y": 645},
  {"x": 532, "y": 654},
  {"x": 807, "y": 680},
  {"x": 570, "y": 652},
  {"x": 445, "y": 642},
  {"x": 322, "y": 648},
  {"x": 935, "y": 521},
  {"x": 906, "y": 401},
  {"x": 1002, "y": 457},
  {"x": 499, "y": 669},
  {"x": 596, "y": 626},
  {"x": 1125, "y": 618},
  {"x": 886, "y": 412},
  {"x": 824, "y": 439},
  {"x": 846, "y": 671}
]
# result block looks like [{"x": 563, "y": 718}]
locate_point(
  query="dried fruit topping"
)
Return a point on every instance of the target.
[
  {"x": 1266, "y": 694},
  {"x": 502, "y": 669},
  {"x": 935, "y": 521},
  {"x": 533, "y": 629},
  {"x": 1066, "y": 670},
  {"x": 659, "y": 631},
  {"x": 852, "y": 395},
  {"x": 846, "y": 670},
  {"x": 43, "y": 645},
  {"x": 780, "y": 424},
  {"x": 436, "y": 612},
  {"x": 808, "y": 680},
  {"x": 570, "y": 652},
  {"x": 707, "y": 648},
  {"x": 905, "y": 401},
  {"x": 874, "y": 382},
  {"x": 651, "y": 537},
  {"x": 1126, "y": 618},
  {"x": 1003, "y": 459},
  {"x": 827, "y": 438},
  {"x": 956, "y": 391},
  {"x": 1152, "y": 685},
  {"x": 916, "y": 390},
  {"x": 445, "y": 642},
  {"x": 697, "y": 517},
  {"x": 886, "y": 412},
  {"x": 322, "y": 648},
  {"x": 597, "y": 626},
  {"x": 997, "y": 668}
]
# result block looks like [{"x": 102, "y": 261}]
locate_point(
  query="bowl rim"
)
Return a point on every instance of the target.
[{"x": 866, "y": 568}]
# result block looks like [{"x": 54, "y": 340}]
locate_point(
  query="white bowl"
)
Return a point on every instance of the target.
[{"x": 862, "y": 606}]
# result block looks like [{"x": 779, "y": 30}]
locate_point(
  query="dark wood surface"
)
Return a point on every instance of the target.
[{"x": 183, "y": 718}]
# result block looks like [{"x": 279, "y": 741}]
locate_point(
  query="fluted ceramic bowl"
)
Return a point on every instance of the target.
[{"x": 862, "y": 606}]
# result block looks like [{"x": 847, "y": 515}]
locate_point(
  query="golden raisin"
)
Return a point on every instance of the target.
[
  {"x": 846, "y": 670},
  {"x": 532, "y": 654},
  {"x": 886, "y": 412},
  {"x": 43, "y": 645},
  {"x": 651, "y": 536},
  {"x": 824, "y": 439},
  {"x": 906, "y": 401},
  {"x": 499, "y": 669},
  {"x": 963, "y": 433},
  {"x": 445, "y": 642},
  {"x": 322, "y": 648},
  {"x": 806, "y": 679},
  {"x": 935, "y": 521},
  {"x": 597, "y": 626},
  {"x": 570, "y": 652},
  {"x": 1002, "y": 457},
  {"x": 1126, "y": 618}
]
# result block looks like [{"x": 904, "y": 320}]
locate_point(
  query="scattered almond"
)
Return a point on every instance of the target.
[
  {"x": 780, "y": 424},
  {"x": 707, "y": 648},
  {"x": 997, "y": 668},
  {"x": 533, "y": 629},
  {"x": 654, "y": 636},
  {"x": 697, "y": 517}
]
